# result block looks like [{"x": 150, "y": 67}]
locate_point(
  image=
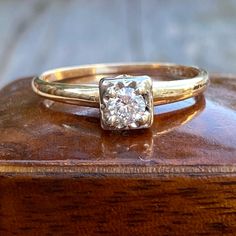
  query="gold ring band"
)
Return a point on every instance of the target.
[{"x": 169, "y": 82}]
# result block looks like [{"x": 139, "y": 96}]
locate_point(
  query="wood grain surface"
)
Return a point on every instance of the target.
[
  {"x": 118, "y": 206},
  {"x": 61, "y": 174}
]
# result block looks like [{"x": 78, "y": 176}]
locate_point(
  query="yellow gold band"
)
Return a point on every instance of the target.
[{"x": 171, "y": 82}]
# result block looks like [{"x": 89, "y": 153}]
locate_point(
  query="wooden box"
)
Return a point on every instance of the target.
[{"x": 61, "y": 174}]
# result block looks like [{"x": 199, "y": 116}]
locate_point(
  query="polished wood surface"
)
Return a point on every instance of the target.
[
  {"x": 186, "y": 136},
  {"x": 61, "y": 174}
]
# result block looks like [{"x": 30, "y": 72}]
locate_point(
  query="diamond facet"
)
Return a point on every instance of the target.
[{"x": 123, "y": 106}]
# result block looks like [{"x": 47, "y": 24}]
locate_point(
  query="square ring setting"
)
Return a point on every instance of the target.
[{"x": 126, "y": 102}]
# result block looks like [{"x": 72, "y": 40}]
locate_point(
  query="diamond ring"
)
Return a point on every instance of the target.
[{"x": 125, "y": 93}]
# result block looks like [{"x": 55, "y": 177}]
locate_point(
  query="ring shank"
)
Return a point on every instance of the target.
[{"x": 180, "y": 82}]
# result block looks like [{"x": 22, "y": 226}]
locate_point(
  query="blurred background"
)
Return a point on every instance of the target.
[{"x": 36, "y": 35}]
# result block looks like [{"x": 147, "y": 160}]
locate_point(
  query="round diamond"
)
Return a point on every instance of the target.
[{"x": 125, "y": 108}]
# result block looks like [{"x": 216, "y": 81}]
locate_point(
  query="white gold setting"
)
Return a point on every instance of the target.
[{"x": 126, "y": 102}]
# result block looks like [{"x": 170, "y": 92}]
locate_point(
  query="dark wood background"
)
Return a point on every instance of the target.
[{"x": 40, "y": 34}]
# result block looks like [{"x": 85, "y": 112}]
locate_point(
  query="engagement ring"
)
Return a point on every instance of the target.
[{"x": 125, "y": 93}]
